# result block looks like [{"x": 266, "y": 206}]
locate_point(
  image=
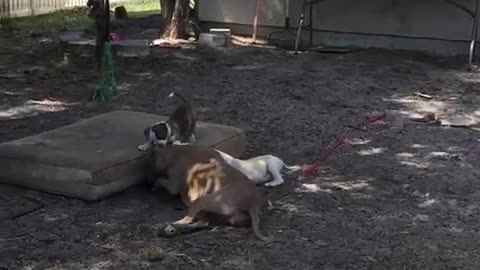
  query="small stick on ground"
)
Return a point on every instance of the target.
[
  {"x": 422, "y": 95},
  {"x": 356, "y": 128},
  {"x": 27, "y": 212}
]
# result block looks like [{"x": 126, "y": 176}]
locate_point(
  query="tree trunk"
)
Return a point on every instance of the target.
[
  {"x": 166, "y": 9},
  {"x": 175, "y": 14}
]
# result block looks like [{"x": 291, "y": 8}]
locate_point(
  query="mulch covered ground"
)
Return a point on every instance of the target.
[{"x": 401, "y": 194}]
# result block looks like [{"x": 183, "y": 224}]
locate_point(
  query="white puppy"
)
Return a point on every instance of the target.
[{"x": 258, "y": 168}]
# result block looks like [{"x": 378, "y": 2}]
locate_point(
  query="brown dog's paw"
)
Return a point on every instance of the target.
[
  {"x": 264, "y": 238},
  {"x": 168, "y": 231}
]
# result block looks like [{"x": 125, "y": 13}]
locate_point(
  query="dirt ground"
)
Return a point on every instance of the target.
[{"x": 400, "y": 195}]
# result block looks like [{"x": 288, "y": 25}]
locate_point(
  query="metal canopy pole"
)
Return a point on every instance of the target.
[
  {"x": 475, "y": 16},
  {"x": 287, "y": 14},
  {"x": 255, "y": 22},
  {"x": 310, "y": 24},
  {"x": 302, "y": 19},
  {"x": 286, "y": 25},
  {"x": 473, "y": 42},
  {"x": 300, "y": 25}
]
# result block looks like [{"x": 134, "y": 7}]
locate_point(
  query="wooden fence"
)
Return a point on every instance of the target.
[{"x": 23, "y": 8}]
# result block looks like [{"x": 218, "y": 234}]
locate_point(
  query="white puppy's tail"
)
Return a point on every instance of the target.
[
  {"x": 175, "y": 94},
  {"x": 291, "y": 169},
  {"x": 225, "y": 156}
]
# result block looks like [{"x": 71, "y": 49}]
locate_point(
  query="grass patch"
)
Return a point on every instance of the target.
[
  {"x": 76, "y": 17},
  {"x": 143, "y": 8},
  {"x": 57, "y": 20}
]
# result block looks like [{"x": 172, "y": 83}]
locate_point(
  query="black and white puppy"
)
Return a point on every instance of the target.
[{"x": 179, "y": 128}]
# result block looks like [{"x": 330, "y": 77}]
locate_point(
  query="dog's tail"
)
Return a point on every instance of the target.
[
  {"x": 255, "y": 219},
  {"x": 225, "y": 156},
  {"x": 175, "y": 94}
]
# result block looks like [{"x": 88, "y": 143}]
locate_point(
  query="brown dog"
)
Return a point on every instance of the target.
[{"x": 206, "y": 185}]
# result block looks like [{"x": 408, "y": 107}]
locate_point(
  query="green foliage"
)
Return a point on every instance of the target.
[
  {"x": 107, "y": 87},
  {"x": 143, "y": 8},
  {"x": 76, "y": 17},
  {"x": 57, "y": 20}
]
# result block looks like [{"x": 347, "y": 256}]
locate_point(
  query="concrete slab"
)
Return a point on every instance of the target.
[
  {"x": 131, "y": 47},
  {"x": 72, "y": 35},
  {"x": 223, "y": 31},
  {"x": 212, "y": 40},
  {"x": 96, "y": 157}
]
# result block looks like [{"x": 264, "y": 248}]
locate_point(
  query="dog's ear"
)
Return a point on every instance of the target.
[{"x": 160, "y": 130}]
